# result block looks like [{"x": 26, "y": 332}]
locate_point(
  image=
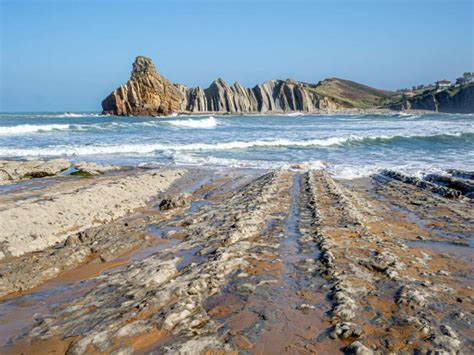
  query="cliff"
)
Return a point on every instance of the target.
[
  {"x": 453, "y": 100},
  {"x": 148, "y": 93},
  {"x": 271, "y": 96}
]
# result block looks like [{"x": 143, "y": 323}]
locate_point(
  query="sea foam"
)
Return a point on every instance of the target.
[
  {"x": 27, "y": 128},
  {"x": 210, "y": 122},
  {"x": 59, "y": 150}
]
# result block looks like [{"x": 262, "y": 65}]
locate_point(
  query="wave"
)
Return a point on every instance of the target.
[
  {"x": 187, "y": 159},
  {"x": 38, "y": 128},
  {"x": 206, "y": 123},
  {"x": 51, "y": 115},
  {"x": 75, "y": 115},
  {"x": 27, "y": 128},
  {"x": 64, "y": 150}
]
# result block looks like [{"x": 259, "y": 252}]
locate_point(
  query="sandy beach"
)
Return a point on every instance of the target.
[{"x": 193, "y": 260}]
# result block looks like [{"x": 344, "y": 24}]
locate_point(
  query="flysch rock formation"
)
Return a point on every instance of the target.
[
  {"x": 271, "y": 96},
  {"x": 60, "y": 214},
  {"x": 148, "y": 93},
  {"x": 275, "y": 262}
]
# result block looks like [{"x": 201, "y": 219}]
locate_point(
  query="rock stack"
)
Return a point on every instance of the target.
[{"x": 147, "y": 93}]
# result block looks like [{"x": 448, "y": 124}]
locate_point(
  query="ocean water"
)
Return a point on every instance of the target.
[{"x": 348, "y": 146}]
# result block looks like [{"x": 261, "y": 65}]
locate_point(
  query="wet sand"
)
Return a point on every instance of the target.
[{"x": 242, "y": 261}]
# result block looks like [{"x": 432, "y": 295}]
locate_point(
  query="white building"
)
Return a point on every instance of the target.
[{"x": 443, "y": 84}]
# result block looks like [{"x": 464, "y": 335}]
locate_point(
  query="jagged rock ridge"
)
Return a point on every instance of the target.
[
  {"x": 271, "y": 96},
  {"x": 148, "y": 93}
]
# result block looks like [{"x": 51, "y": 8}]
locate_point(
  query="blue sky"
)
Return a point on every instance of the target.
[{"x": 65, "y": 55}]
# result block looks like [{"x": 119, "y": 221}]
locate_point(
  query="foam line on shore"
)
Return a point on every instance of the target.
[{"x": 62, "y": 150}]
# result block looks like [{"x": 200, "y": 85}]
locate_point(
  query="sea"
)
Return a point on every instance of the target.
[{"x": 347, "y": 145}]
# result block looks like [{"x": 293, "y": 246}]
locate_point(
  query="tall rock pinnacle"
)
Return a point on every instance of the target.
[{"x": 146, "y": 93}]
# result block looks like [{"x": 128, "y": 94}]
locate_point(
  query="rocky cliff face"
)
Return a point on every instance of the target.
[
  {"x": 454, "y": 100},
  {"x": 271, "y": 96},
  {"x": 147, "y": 93}
]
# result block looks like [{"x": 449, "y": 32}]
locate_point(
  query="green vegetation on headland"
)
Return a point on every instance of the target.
[{"x": 354, "y": 95}]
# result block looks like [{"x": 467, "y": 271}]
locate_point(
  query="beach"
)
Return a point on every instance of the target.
[
  {"x": 203, "y": 177},
  {"x": 186, "y": 259}
]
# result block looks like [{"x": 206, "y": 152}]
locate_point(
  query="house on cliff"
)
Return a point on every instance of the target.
[{"x": 442, "y": 84}]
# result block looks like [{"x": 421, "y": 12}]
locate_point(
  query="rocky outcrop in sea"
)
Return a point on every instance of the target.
[
  {"x": 148, "y": 93},
  {"x": 271, "y": 96}
]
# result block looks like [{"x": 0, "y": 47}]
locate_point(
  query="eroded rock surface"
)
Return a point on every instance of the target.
[
  {"x": 166, "y": 291},
  {"x": 12, "y": 170},
  {"x": 275, "y": 262},
  {"x": 147, "y": 93},
  {"x": 33, "y": 226}
]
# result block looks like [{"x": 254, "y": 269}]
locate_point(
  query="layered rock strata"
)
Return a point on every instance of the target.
[
  {"x": 362, "y": 263},
  {"x": 277, "y": 262},
  {"x": 271, "y": 96},
  {"x": 55, "y": 217},
  {"x": 446, "y": 186},
  {"x": 166, "y": 293},
  {"x": 148, "y": 93}
]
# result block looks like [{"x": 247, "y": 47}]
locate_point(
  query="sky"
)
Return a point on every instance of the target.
[{"x": 67, "y": 55}]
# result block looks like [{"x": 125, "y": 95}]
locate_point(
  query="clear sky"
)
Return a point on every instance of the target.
[{"x": 66, "y": 55}]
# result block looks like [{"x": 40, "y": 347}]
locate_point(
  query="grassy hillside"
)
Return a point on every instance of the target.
[{"x": 352, "y": 94}]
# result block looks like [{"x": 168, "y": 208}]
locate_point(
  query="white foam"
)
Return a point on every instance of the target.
[
  {"x": 293, "y": 114},
  {"x": 73, "y": 115},
  {"x": 206, "y": 123},
  {"x": 194, "y": 160},
  {"x": 27, "y": 128},
  {"x": 150, "y": 148},
  {"x": 352, "y": 172}
]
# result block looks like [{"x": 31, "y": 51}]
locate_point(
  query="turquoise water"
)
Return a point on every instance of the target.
[{"x": 347, "y": 145}]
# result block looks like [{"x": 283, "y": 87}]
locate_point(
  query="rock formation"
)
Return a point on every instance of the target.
[
  {"x": 148, "y": 93},
  {"x": 454, "y": 100},
  {"x": 271, "y": 96}
]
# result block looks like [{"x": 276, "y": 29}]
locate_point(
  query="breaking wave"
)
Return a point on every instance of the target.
[
  {"x": 51, "y": 115},
  {"x": 64, "y": 150},
  {"x": 206, "y": 123},
  {"x": 74, "y": 115},
  {"x": 27, "y": 128},
  {"x": 189, "y": 159}
]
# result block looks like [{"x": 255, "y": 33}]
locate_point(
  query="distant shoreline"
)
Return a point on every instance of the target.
[{"x": 223, "y": 113}]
